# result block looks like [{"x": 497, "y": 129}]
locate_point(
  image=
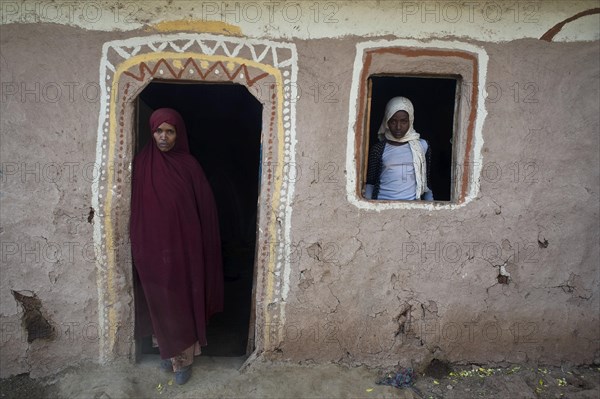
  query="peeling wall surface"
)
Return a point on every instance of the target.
[{"x": 509, "y": 274}]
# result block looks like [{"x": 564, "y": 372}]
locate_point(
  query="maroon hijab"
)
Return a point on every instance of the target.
[{"x": 175, "y": 242}]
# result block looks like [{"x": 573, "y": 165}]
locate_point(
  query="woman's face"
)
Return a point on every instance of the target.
[
  {"x": 165, "y": 136},
  {"x": 399, "y": 124}
]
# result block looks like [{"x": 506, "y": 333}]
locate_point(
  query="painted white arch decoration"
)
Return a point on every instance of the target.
[{"x": 281, "y": 57}]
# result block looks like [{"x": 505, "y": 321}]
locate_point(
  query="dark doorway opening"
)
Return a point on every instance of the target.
[
  {"x": 434, "y": 100},
  {"x": 224, "y": 123}
]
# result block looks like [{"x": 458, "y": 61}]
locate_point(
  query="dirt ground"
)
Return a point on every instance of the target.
[{"x": 220, "y": 378}]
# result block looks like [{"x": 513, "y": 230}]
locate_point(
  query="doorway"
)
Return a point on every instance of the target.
[{"x": 224, "y": 124}]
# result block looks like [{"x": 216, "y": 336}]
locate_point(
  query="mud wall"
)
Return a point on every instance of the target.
[
  {"x": 500, "y": 279},
  {"x": 510, "y": 276}
]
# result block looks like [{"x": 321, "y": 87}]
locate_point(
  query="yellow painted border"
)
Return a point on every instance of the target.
[
  {"x": 111, "y": 292},
  {"x": 190, "y": 25}
]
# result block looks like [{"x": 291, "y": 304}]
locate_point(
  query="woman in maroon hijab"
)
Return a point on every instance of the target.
[{"x": 176, "y": 245}]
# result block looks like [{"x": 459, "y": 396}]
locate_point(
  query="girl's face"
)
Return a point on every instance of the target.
[
  {"x": 165, "y": 136},
  {"x": 399, "y": 124}
]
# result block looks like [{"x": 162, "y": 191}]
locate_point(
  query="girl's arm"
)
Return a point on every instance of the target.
[{"x": 373, "y": 169}]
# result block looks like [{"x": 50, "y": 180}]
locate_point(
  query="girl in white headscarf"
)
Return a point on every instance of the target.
[{"x": 397, "y": 167}]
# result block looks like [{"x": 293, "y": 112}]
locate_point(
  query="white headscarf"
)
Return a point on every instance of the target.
[{"x": 412, "y": 137}]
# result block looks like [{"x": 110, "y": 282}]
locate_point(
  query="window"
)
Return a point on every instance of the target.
[
  {"x": 444, "y": 81},
  {"x": 433, "y": 99}
]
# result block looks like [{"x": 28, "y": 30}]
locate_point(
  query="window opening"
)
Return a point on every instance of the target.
[{"x": 435, "y": 105}]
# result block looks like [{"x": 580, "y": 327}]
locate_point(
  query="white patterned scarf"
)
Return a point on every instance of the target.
[{"x": 412, "y": 137}]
